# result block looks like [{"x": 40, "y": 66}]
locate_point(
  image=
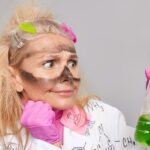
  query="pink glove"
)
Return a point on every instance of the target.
[
  {"x": 40, "y": 120},
  {"x": 147, "y": 73}
]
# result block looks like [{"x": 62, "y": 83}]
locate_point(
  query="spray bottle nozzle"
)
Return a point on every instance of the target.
[{"x": 147, "y": 73}]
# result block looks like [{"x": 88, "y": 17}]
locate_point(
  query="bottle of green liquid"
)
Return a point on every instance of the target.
[{"x": 142, "y": 133}]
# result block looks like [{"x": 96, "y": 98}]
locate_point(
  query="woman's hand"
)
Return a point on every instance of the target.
[{"x": 39, "y": 119}]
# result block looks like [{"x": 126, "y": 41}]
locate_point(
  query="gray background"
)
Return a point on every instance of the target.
[{"x": 113, "y": 46}]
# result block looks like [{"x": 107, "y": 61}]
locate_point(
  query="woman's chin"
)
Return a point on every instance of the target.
[
  {"x": 65, "y": 103},
  {"x": 59, "y": 101},
  {"x": 63, "y": 100}
]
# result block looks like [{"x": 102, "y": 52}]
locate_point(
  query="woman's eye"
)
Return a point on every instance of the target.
[
  {"x": 48, "y": 64},
  {"x": 72, "y": 63}
]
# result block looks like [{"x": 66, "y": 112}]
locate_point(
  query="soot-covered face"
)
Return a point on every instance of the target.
[{"x": 49, "y": 71}]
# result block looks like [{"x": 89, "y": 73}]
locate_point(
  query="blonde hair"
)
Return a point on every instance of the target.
[
  {"x": 10, "y": 102},
  {"x": 10, "y": 54}
]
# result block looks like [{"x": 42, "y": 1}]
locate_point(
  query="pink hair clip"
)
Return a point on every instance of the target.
[{"x": 69, "y": 32}]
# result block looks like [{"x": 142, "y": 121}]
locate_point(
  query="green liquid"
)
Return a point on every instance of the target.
[{"x": 142, "y": 133}]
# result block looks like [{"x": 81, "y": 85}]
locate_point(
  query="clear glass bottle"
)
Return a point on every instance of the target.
[{"x": 142, "y": 133}]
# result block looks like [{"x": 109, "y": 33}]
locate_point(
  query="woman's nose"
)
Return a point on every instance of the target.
[{"x": 66, "y": 75}]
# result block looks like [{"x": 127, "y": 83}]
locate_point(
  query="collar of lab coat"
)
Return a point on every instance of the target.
[
  {"x": 75, "y": 141},
  {"x": 72, "y": 141}
]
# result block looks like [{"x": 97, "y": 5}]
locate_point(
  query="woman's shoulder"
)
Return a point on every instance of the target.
[
  {"x": 103, "y": 112},
  {"x": 32, "y": 143},
  {"x": 110, "y": 125},
  {"x": 95, "y": 104},
  {"x": 10, "y": 141}
]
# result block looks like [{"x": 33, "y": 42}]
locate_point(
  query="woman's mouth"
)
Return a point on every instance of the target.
[{"x": 65, "y": 93}]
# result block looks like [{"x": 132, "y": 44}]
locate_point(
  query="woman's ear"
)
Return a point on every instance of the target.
[{"x": 16, "y": 79}]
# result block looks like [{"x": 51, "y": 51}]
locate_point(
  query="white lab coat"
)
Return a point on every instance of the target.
[{"x": 107, "y": 131}]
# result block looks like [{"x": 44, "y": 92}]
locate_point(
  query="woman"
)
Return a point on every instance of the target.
[{"x": 39, "y": 84}]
